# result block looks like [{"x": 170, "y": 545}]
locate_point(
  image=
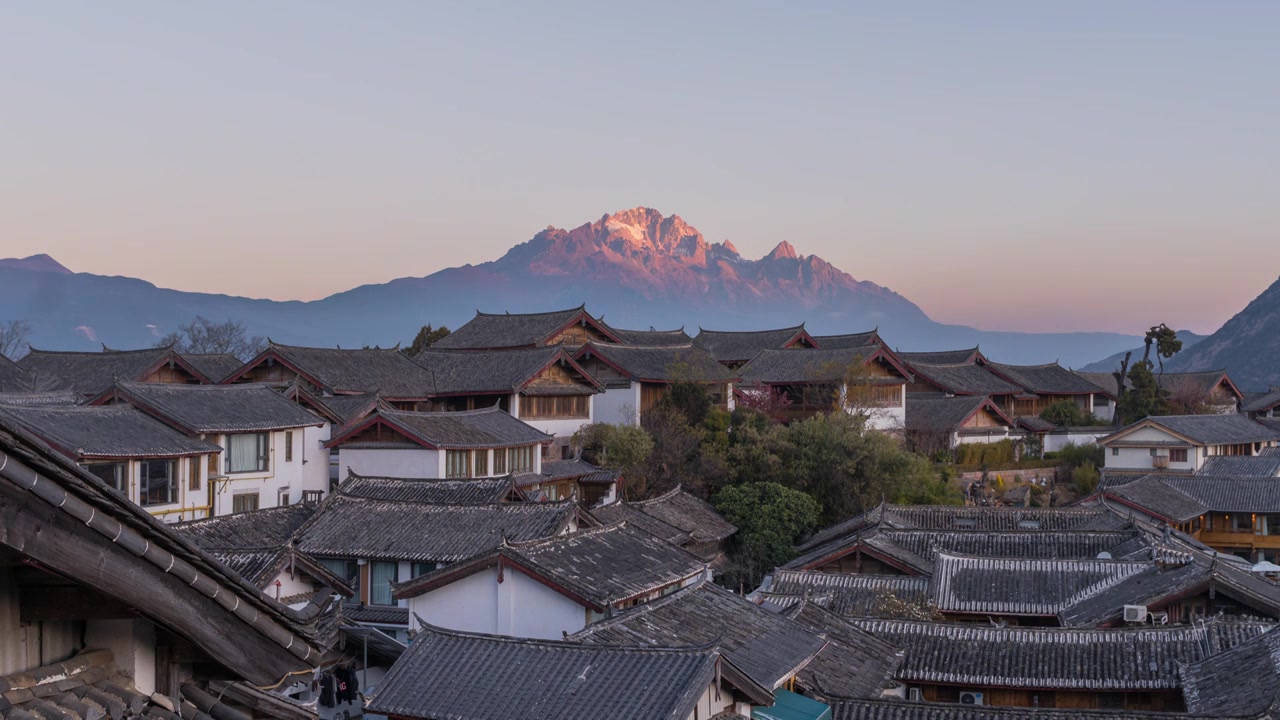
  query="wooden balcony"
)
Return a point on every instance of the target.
[{"x": 1219, "y": 539}]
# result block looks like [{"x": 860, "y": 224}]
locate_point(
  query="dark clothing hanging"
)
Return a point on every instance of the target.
[{"x": 326, "y": 691}]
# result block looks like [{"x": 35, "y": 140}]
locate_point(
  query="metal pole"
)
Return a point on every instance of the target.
[{"x": 365, "y": 635}]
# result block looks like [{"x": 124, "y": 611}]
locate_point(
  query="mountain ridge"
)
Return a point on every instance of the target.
[
  {"x": 636, "y": 267},
  {"x": 1248, "y": 345}
]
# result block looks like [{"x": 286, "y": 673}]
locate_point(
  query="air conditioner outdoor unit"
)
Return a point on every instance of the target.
[
  {"x": 1135, "y": 613},
  {"x": 971, "y": 698}
]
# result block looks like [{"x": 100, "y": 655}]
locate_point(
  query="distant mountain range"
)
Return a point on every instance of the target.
[
  {"x": 1112, "y": 363},
  {"x": 1247, "y": 345},
  {"x": 637, "y": 268}
]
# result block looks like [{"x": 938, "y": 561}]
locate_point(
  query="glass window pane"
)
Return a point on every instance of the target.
[
  {"x": 247, "y": 453},
  {"x": 381, "y": 575}
]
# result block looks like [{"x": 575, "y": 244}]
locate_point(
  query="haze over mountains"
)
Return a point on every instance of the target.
[{"x": 636, "y": 267}]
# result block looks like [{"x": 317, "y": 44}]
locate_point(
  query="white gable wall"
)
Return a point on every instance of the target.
[
  {"x": 392, "y": 462},
  {"x": 307, "y": 470},
  {"x": 519, "y": 606},
  {"x": 618, "y": 406}
]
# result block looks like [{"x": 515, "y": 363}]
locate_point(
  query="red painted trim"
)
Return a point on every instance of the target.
[
  {"x": 177, "y": 360},
  {"x": 888, "y": 355},
  {"x": 1135, "y": 506},
  {"x": 377, "y": 418},
  {"x": 562, "y": 355},
  {"x": 593, "y": 322},
  {"x": 804, "y": 335},
  {"x": 595, "y": 351}
]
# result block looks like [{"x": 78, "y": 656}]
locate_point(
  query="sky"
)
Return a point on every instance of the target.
[{"x": 1006, "y": 165}]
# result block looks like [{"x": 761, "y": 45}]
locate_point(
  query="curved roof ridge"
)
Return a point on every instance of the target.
[
  {"x": 31, "y": 349},
  {"x": 567, "y": 644},
  {"x": 566, "y": 504},
  {"x": 793, "y": 328},
  {"x": 662, "y": 497},
  {"x": 581, "y": 532},
  {"x": 508, "y": 313}
]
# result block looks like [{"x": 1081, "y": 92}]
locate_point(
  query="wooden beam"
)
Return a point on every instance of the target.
[{"x": 56, "y": 540}]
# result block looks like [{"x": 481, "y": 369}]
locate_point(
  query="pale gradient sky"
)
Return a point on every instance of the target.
[{"x": 1010, "y": 165}]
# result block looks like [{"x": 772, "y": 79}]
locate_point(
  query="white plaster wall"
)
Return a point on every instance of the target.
[
  {"x": 133, "y": 643},
  {"x": 470, "y": 605},
  {"x": 619, "y": 406},
  {"x": 1104, "y": 412},
  {"x": 519, "y": 606},
  {"x": 1055, "y": 441},
  {"x": 191, "y": 504},
  {"x": 887, "y": 419},
  {"x": 1128, "y": 458},
  {"x": 308, "y": 470},
  {"x": 1150, "y": 433},
  {"x": 407, "y": 463},
  {"x": 561, "y": 428},
  {"x": 997, "y": 435}
]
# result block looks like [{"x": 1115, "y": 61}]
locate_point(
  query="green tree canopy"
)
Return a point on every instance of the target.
[
  {"x": 425, "y": 338},
  {"x": 771, "y": 519}
]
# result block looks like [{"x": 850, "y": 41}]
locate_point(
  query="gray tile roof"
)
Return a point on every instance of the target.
[
  {"x": 965, "y": 379},
  {"x": 458, "y": 372},
  {"x": 350, "y": 407},
  {"x": 894, "y": 709},
  {"x": 690, "y": 514},
  {"x": 118, "y": 431},
  {"x": 13, "y": 379},
  {"x": 741, "y": 346},
  {"x": 652, "y": 338},
  {"x": 1105, "y": 381},
  {"x": 854, "y": 664},
  {"x": 1262, "y": 402},
  {"x": 1202, "y": 382},
  {"x": 452, "y": 492},
  {"x": 1243, "y": 680},
  {"x": 32, "y": 399},
  {"x": 805, "y": 365},
  {"x": 848, "y": 340},
  {"x": 506, "y": 330},
  {"x": 768, "y": 648},
  {"x": 350, "y": 527},
  {"x": 1054, "y": 658},
  {"x": 487, "y": 428},
  {"x": 665, "y": 364},
  {"x": 214, "y": 366},
  {"x": 196, "y": 409},
  {"x": 1179, "y": 498},
  {"x": 943, "y": 357},
  {"x": 1048, "y": 379},
  {"x": 1241, "y": 466},
  {"x": 266, "y": 528},
  {"x": 336, "y": 371},
  {"x": 947, "y": 414},
  {"x": 621, "y": 511},
  {"x": 1021, "y": 586},
  {"x": 448, "y": 674},
  {"x": 852, "y": 595},
  {"x": 89, "y": 373},
  {"x": 602, "y": 566},
  {"x": 1225, "y": 429}
]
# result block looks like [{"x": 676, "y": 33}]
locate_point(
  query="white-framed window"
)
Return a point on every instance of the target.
[
  {"x": 157, "y": 482},
  {"x": 457, "y": 463},
  {"x": 247, "y": 453},
  {"x": 520, "y": 459},
  {"x": 482, "y": 463},
  {"x": 244, "y": 502},
  {"x": 114, "y": 474}
]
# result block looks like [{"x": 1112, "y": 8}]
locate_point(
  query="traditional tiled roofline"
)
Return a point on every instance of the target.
[
  {"x": 1055, "y": 658},
  {"x": 896, "y": 709},
  {"x": 1201, "y": 430},
  {"x": 965, "y": 379},
  {"x": 636, "y": 362},
  {"x": 482, "y": 491},
  {"x": 412, "y": 426},
  {"x": 651, "y": 337},
  {"x": 594, "y": 591},
  {"x": 737, "y": 346},
  {"x": 192, "y": 409},
  {"x": 1267, "y": 401},
  {"x": 485, "y": 380},
  {"x": 949, "y": 414},
  {"x": 966, "y": 356},
  {"x": 816, "y": 365},
  {"x": 107, "y": 433},
  {"x": 1064, "y": 582},
  {"x": 406, "y": 381},
  {"x": 1031, "y": 378},
  {"x": 687, "y": 513},
  {"x": 78, "y": 364},
  {"x": 491, "y": 331},
  {"x": 860, "y": 339}
]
